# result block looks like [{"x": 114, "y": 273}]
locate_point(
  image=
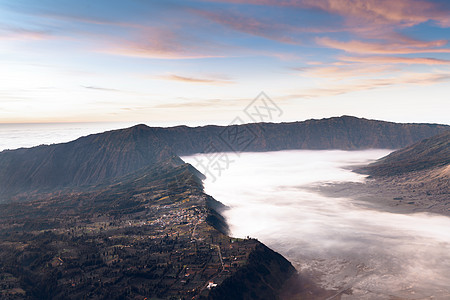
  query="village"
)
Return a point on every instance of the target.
[{"x": 162, "y": 240}]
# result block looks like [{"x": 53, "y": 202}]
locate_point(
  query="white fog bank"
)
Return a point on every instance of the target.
[{"x": 380, "y": 255}]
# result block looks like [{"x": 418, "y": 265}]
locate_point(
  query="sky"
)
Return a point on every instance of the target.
[{"x": 206, "y": 61}]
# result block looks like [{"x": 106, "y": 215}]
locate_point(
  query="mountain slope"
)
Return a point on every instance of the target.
[
  {"x": 85, "y": 161},
  {"x": 427, "y": 154},
  {"x": 415, "y": 178},
  {"x": 150, "y": 234}
]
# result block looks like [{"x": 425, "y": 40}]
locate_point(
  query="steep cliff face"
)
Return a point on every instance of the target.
[{"x": 262, "y": 277}]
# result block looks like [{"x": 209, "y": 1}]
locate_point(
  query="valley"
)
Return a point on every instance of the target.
[{"x": 120, "y": 215}]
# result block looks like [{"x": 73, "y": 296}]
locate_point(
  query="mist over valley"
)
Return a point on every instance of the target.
[{"x": 342, "y": 242}]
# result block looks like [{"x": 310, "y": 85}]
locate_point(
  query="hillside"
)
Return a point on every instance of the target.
[
  {"x": 86, "y": 161},
  {"x": 150, "y": 234},
  {"x": 415, "y": 178},
  {"x": 427, "y": 154},
  {"x": 95, "y": 158}
]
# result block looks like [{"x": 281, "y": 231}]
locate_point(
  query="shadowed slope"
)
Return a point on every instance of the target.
[
  {"x": 429, "y": 153},
  {"x": 85, "y": 161}
]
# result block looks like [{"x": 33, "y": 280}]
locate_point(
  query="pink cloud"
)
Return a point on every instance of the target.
[
  {"x": 395, "y": 60},
  {"x": 11, "y": 33},
  {"x": 386, "y": 47},
  {"x": 345, "y": 71},
  {"x": 263, "y": 28},
  {"x": 403, "y": 12},
  {"x": 139, "y": 51},
  {"x": 161, "y": 43},
  {"x": 369, "y": 84},
  {"x": 406, "y": 12},
  {"x": 189, "y": 79}
]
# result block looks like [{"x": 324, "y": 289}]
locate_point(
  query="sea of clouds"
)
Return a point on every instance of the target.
[{"x": 344, "y": 242}]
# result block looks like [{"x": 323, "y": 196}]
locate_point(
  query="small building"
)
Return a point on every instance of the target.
[{"x": 211, "y": 285}]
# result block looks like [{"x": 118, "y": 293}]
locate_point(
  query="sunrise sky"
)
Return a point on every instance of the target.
[{"x": 199, "y": 62}]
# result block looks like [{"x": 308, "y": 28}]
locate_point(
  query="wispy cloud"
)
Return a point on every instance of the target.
[
  {"x": 206, "y": 103},
  {"x": 121, "y": 36},
  {"x": 369, "y": 84},
  {"x": 134, "y": 49},
  {"x": 97, "y": 88},
  {"x": 344, "y": 71},
  {"x": 395, "y": 60},
  {"x": 386, "y": 47},
  {"x": 402, "y": 12},
  {"x": 18, "y": 33},
  {"x": 187, "y": 79},
  {"x": 251, "y": 25},
  {"x": 163, "y": 43}
]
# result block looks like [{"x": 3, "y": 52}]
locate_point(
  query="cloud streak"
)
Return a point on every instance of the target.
[
  {"x": 186, "y": 79},
  {"x": 163, "y": 43},
  {"x": 369, "y": 84},
  {"x": 339, "y": 72},
  {"x": 395, "y": 60},
  {"x": 384, "y": 48},
  {"x": 378, "y": 12},
  {"x": 18, "y": 33},
  {"x": 100, "y": 89},
  {"x": 120, "y": 36},
  {"x": 251, "y": 25}
]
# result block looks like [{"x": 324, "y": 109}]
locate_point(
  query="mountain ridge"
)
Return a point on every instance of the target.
[
  {"x": 345, "y": 133},
  {"x": 96, "y": 158}
]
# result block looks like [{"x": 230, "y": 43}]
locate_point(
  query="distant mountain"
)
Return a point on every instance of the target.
[
  {"x": 101, "y": 157},
  {"x": 347, "y": 133},
  {"x": 427, "y": 154}
]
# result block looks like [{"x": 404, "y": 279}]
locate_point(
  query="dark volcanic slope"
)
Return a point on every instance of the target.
[
  {"x": 151, "y": 234},
  {"x": 429, "y": 153},
  {"x": 85, "y": 161}
]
